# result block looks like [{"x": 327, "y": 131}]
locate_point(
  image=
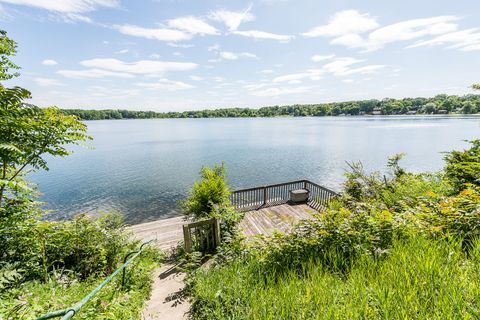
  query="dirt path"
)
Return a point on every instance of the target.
[{"x": 167, "y": 301}]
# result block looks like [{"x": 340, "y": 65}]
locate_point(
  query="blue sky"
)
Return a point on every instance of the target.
[{"x": 175, "y": 55}]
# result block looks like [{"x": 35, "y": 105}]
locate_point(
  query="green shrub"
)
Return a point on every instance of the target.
[
  {"x": 212, "y": 190},
  {"x": 34, "y": 298},
  {"x": 463, "y": 167},
  {"x": 81, "y": 248}
]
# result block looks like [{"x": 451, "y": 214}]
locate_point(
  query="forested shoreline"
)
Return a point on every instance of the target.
[{"x": 439, "y": 104}]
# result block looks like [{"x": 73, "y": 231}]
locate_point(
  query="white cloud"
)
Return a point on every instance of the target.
[
  {"x": 215, "y": 47},
  {"x": 196, "y": 78},
  {"x": 255, "y": 86},
  {"x": 161, "y": 34},
  {"x": 266, "y": 71},
  {"x": 145, "y": 67},
  {"x": 465, "y": 40},
  {"x": 401, "y": 31},
  {"x": 192, "y": 25},
  {"x": 92, "y": 73},
  {"x": 232, "y": 19},
  {"x": 410, "y": 29},
  {"x": 312, "y": 74},
  {"x": 346, "y": 28},
  {"x": 49, "y": 62},
  {"x": 318, "y": 57},
  {"x": 342, "y": 67},
  {"x": 227, "y": 55},
  {"x": 123, "y": 51},
  {"x": 180, "y": 45},
  {"x": 103, "y": 68},
  {"x": 71, "y": 18},
  {"x": 165, "y": 84},
  {"x": 344, "y": 22},
  {"x": 155, "y": 56},
  {"x": 264, "y": 35},
  {"x": 47, "y": 82},
  {"x": 66, "y": 6},
  {"x": 271, "y": 92}
]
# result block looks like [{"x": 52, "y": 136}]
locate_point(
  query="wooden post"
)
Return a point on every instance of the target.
[
  {"x": 264, "y": 195},
  {"x": 187, "y": 239},
  {"x": 216, "y": 232}
]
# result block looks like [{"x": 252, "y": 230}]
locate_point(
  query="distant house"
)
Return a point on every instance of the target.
[
  {"x": 442, "y": 111},
  {"x": 362, "y": 113},
  {"x": 412, "y": 112},
  {"x": 377, "y": 111}
]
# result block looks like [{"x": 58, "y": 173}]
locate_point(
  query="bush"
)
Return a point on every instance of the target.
[
  {"x": 34, "y": 298},
  {"x": 81, "y": 248},
  {"x": 463, "y": 167},
  {"x": 212, "y": 190}
]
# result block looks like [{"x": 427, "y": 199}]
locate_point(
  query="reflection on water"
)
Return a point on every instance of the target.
[{"x": 143, "y": 167}]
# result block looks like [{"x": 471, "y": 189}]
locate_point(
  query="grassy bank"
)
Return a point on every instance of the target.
[
  {"x": 34, "y": 298},
  {"x": 419, "y": 279}
]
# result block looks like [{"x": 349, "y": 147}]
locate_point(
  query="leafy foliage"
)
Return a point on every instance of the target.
[
  {"x": 211, "y": 191},
  {"x": 27, "y": 135},
  {"x": 8, "y": 48},
  {"x": 48, "y": 265},
  {"x": 463, "y": 167},
  {"x": 34, "y": 298}
]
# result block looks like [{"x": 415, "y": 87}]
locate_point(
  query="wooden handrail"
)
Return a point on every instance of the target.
[{"x": 274, "y": 194}]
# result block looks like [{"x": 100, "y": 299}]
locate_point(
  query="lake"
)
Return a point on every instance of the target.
[{"x": 141, "y": 168}]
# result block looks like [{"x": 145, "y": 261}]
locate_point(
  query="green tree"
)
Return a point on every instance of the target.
[
  {"x": 8, "y": 48},
  {"x": 29, "y": 133},
  {"x": 476, "y": 86}
]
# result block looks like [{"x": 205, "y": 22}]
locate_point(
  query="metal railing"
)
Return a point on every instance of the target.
[
  {"x": 68, "y": 313},
  {"x": 275, "y": 194}
]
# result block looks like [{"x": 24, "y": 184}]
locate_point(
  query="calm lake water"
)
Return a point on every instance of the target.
[{"x": 141, "y": 168}]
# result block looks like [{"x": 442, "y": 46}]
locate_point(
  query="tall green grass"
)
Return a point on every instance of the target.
[
  {"x": 419, "y": 279},
  {"x": 35, "y": 298}
]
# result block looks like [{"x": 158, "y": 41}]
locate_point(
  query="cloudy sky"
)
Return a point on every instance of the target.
[{"x": 175, "y": 55}]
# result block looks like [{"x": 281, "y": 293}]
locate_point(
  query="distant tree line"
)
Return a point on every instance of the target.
[{"x": 440, "y": 104}]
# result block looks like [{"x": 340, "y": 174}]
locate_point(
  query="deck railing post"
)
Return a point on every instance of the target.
[
  {"x": 187, "y": 238},
  {"x": 264, "y": 195},
  {"x": 216, "y": 230}
]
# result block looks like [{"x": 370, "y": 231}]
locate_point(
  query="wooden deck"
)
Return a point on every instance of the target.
[
  {"x": 169, "y": 232},
  {"x": 276, "y": 218}
]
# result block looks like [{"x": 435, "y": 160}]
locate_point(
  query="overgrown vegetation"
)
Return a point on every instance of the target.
[
  {"x": 46, "y": 265},
  {"x": 439, "y": 104},
  {"x": 210, "y": 198},
  {"x": 395, "y": 245}
]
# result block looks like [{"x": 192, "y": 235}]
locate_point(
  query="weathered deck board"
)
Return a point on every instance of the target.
[
  {"x": 169, "y": 232},
  {"x": 281, "y": 218}
]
